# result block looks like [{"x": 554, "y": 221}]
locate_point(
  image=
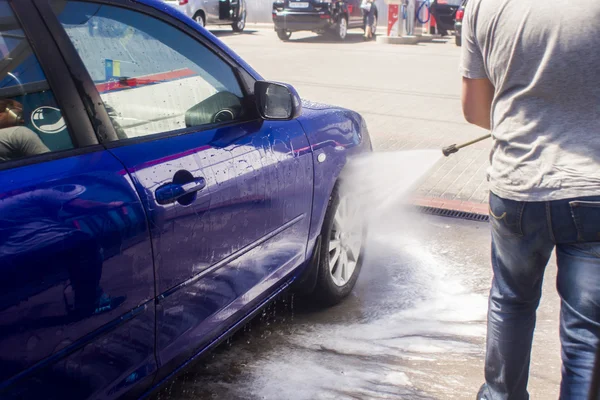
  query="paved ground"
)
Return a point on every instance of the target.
[
  {"x": 410, "y": 96},
  {"x": 412, "y": 329}
]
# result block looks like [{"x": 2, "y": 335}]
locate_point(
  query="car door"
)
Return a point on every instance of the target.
[
  {"x": 76, "y": 272},
  {"x": 355, "y": 16},
  {"x": 212, "y": 8},
  {"x": 228, "y": 195}
]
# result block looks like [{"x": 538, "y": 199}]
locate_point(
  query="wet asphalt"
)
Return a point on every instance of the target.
[{"x": 413, "y": 328}]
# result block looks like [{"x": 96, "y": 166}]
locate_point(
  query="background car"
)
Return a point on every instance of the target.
[
  {"x": 214, "y": 12},
  {"x": 319, "y": 16},
  {"x": 156, "y": 194},
  {"x": 444, "y": 12},
  {"x": 460, "y": 13}
]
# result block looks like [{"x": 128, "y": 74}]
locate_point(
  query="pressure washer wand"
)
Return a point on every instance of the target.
[{"x": 453, "y": 148}]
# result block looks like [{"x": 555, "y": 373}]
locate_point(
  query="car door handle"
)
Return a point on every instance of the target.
[{"x": 170, "y": 192}]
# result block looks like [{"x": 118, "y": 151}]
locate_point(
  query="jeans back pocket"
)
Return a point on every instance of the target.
[
  {"x": 586, "y": 215},
  {"x": 506, "y": 216}
]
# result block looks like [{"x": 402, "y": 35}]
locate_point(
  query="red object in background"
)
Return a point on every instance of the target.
[
  {"x": 432, "y": 22},
  {"x": 460, "y": 15},
  {"x": 350, "y": 8},
  {"x": 392, "y": 17},
  {"x": 183, "y": 2}
]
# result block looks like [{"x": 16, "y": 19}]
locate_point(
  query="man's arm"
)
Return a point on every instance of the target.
[
  {"x": 477, "y": 90},
  {"x": 477, "y": 96}
]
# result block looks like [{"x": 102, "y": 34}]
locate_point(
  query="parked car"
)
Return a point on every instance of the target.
[
  {"x": 460, "y": 13},
  {"x": 156, "y": 194},
  {"x": 444, "y": 12},
  {"x": 319, "y": 16},
  {"x": 214, "y": 12}
]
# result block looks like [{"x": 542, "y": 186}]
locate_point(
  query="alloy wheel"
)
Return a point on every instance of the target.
[
  {"x": 345, "y": 241},
  {"x": 342, "y": 28},
  {"x": 200, "y": 20},
  {"x": 241, "y": 23}
]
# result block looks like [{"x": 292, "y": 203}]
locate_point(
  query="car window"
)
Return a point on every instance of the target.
[
  {"x": 152, "y": 77},
  {"x": 31, "y": 123}
]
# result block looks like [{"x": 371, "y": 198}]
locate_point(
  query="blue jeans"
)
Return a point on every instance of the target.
[{"x": 524, "y": 234}]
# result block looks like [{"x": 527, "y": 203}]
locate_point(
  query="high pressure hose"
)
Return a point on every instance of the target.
[
  {"x": 427, "y": 5},
  {"x": 403, "y": 10}
]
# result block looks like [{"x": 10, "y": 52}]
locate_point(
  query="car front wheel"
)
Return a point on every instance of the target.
[
  {"x": 240, "y": 24},
  {"x": 341, "y": 28},
  {"x": 342, "y": 245},
  {"x": 199, "y": 18},
  {"x": 284, "y": 35}
]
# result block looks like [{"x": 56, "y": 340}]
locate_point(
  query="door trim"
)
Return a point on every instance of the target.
[
  {"x": 211, "y": 344},
  {"x": 230, "y": 258},
  {"x": 81, "y": 342}
]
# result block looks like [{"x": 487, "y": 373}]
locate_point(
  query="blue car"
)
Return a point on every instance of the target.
[{"x": 155, "y": 193}]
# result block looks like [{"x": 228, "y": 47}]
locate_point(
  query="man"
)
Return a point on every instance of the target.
[
  {"x": 16, "y": 141},
  {"x": 531, "y": 75}
]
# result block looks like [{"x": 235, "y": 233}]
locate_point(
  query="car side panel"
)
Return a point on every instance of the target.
[
  {"x": 338, "y": 135},
  {"x": 247, "y": 229},
  {"x": 101, "y": 367},
  {"x": 211, "y": 7},
  {"x": 75, "y": 260}
]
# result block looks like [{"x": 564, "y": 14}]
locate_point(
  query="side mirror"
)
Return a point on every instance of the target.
[{"x": 277, "y": 101}]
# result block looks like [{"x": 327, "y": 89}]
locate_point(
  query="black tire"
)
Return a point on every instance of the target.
[
  {"x": 239, "y": 25},
  {"x": 284, "y": 35},
  {"x": 200, "y": 18},
  {"x": 327, "y": 293},
  {"x": 458, "y": 40}
]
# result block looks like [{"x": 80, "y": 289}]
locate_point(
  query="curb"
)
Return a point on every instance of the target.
[
  {"x": 452, "y": 208},
  {"x": 410, "y": 40}
]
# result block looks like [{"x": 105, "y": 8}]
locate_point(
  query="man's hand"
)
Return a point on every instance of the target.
[
  {"x": 477, "y": 96},
  {"x": 11, "y": 112}
]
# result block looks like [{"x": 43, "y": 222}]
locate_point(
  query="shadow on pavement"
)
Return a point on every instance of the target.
[
  {"x": 350, "y": 39},
  {"x": 228, "y": 32}
]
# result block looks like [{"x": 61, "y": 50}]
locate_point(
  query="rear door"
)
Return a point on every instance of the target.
[
  {"x": 212, "y": 8},
  {"x": 76, "y": 273},
  {"x": 228, "y": 196},
  {"x": 355, "y": 16}
]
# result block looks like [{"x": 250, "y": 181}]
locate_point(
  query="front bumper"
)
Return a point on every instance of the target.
[{"x": 293, "y": 21}]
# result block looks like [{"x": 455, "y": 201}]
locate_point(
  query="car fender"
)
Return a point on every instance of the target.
[
  {"x": 197, "y": 7},
  {"x": 335, "y": 135}
]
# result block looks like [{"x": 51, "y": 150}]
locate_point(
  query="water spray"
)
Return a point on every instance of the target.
[{"x": 453, "y": 148}]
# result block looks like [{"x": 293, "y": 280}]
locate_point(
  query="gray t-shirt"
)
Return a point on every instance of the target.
[
  {"x": 543, "y": 58},
  {"x": 19, "y": 142}
]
